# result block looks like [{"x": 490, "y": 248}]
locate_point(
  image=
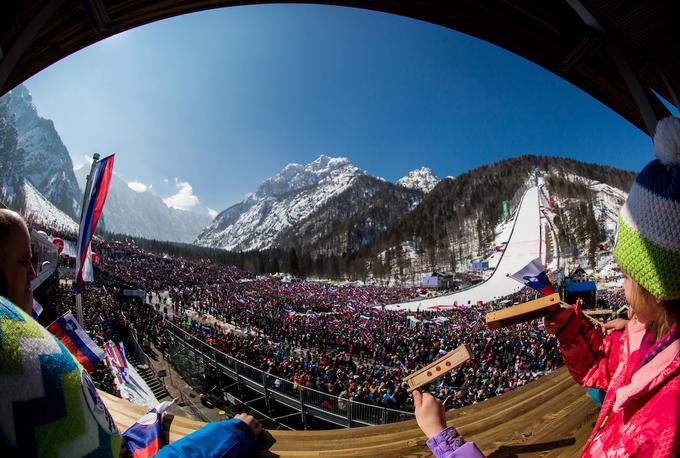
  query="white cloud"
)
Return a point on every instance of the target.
[
  {"x": 184, "y": 199},
  {"x": 212, "y": 213},
  {"x": 138, "y": 186},
  {"x": 84, "y": 161}
]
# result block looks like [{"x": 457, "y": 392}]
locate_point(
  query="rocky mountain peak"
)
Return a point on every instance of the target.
[
  {"x": 280, "y": 202},
  {"x": 46, "y": 162},
  {"x": 295, "y": 176},
  {"x": 422, "y": 179}
]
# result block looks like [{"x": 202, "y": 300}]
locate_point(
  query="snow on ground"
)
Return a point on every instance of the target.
[
  {"x": 503, "y": 231},
  {"x": 42, "y": 210},
  {"x": 523, "y": 246}
]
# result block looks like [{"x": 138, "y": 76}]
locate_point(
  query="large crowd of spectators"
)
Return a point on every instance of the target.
[{"x": 337, "y": 339}]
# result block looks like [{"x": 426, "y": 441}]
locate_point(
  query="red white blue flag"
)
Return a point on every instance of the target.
[
  {"x": 92, "y": 211},
  {"x": 116, "y": 354},
  {"x": 534, "y": 276},
  {"x": 69, "y": 332},
  {"x": 144, "y": 437}
]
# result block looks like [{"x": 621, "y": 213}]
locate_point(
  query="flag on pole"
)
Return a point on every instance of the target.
[
  {"x": 37, "y": 309},
  {"x": 534, "y": 276},
  {"x": 144, "y": 437},
  {"x": 69, "y": 332},
  {"x": 92, "y": 210}
]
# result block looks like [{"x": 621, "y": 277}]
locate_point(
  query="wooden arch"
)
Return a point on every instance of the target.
[{"x": 619, "y": 52}]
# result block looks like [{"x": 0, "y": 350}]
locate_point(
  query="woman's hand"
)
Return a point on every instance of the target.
[
  {"x": 429, "y": 413},
  {"x": 555, "y": 320}
]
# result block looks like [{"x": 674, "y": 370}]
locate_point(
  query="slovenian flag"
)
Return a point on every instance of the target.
[
  {"x": 534, "y": 275},
  {"x": 69, "y": 332},
  {"x": 144, "y": 437},
  {"x": 92, "y": 211}
]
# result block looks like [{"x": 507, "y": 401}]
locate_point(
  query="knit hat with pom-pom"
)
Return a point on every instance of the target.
[{"x": 648, "y": 246}]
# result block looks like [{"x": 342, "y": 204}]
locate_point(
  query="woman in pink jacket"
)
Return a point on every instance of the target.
[{"x": 639, "y": 367}]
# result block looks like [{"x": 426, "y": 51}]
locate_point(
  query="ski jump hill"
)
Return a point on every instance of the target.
[
  {"x": 549, "y": 417},
  {"x": 523, "y": 246}
]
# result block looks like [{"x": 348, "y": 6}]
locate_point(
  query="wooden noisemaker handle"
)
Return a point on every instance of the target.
[{"x": 438, "y": 368}]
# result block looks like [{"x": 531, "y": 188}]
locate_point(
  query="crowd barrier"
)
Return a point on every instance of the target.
[{"x": 192, "y": 357}]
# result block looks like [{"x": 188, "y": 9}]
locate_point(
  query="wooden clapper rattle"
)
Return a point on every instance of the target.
[
  {"x": 438, "y": 368},
  {"x": 527, "y": 311}
]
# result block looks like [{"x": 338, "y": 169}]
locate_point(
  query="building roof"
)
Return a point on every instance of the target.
[{"x": 598, "y": 45}]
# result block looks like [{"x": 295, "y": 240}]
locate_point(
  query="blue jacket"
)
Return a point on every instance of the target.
[{"x": 219, "y": 439}]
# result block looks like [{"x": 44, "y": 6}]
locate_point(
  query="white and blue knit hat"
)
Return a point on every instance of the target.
[{"x": 648, "y": 246}]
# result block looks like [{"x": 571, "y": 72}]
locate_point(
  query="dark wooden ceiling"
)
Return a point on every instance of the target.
[{"x": 37, "y": 33}]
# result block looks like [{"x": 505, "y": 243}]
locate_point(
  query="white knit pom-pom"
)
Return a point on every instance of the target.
[{"x": 667, "y": 141}]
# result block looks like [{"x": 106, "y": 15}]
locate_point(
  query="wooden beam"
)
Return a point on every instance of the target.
[
  {"x": 25, "y": 39},
  {"x": 523, "y": 312}
]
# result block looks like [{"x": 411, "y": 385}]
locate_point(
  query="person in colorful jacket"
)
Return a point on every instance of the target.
[
  {"x": 639, "y": 368},
  {"x": 48, "y": 403}
]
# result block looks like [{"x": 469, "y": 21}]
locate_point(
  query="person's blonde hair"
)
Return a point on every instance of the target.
[{"x": 665, "y": 311}]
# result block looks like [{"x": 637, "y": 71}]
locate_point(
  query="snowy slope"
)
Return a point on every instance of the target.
[
  {"x": 41, "y": 210},
  {"x": 144, "y": 214},
  {"x": 279, "y": 203},
  {"x": 421, "y": 179},
  {"x": 607, "y": 202},
  {"x": 523, "y": 246}
]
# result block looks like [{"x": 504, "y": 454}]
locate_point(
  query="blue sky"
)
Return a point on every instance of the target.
[{"x": 212, "y": 103}]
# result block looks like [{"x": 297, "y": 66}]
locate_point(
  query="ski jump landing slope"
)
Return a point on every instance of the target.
[
  {"x": 523, "y": 246},
  {"x": 549, "y": 417}
]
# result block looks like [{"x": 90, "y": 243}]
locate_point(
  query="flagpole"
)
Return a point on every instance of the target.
[{"x": 88, "y": 190}]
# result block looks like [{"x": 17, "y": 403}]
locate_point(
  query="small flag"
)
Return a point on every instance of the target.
[
  {"x": 144, "y": 437},
  {"x": 69, "y": 332},
  {"x": 37, "y": 309},
  {"x": 116, "y": 354},
  {"x": 441, "y": 353},
  {"x": 534, "y": 276},
  {"x": 364, "y": 318}
]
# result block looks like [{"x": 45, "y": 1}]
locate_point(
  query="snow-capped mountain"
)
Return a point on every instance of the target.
[
  {"x": 422, "y": 179},
  {"x": 11, "y": 159},
  {"x": 352, "y": 219},
  {"x": 144, "y": 214},
  {"x": 279, "y": 203},
  {"x": 46, "y": 161}
]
